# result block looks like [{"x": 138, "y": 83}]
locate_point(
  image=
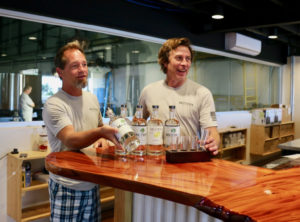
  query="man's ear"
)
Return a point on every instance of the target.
[{"x": 59, "y": 72}]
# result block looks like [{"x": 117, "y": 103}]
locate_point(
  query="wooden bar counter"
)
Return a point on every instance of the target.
[{"x": 223, "y": 189}]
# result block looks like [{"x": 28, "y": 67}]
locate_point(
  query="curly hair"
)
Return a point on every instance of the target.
[{"x": 167, "y": 47}]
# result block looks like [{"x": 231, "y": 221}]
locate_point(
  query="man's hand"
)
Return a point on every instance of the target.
[
  {"x": 107, "y": 135},
  {"x": 103, "y": 143},
  {"x": 211, "y": 145},
  {"x": 213, "y": 141}
]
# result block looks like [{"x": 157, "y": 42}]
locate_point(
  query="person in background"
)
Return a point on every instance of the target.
[
  {"x": 26, "y": 104},
  {"x": 73, "y": 121},
  {"x": 194, "y": 103}
]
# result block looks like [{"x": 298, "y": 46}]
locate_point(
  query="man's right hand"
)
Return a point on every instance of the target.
[{"x": 108, "y": 133}]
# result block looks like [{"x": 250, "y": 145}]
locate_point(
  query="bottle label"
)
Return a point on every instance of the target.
[
  {"x": 122, "y": 126},
  {"x": 171, "y": 132},
  {"x": 155, "y": 135},
  {"x": 141, "y": 133}
]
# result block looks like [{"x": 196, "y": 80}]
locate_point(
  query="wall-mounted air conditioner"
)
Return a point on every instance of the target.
[{"x": 241, "y": 43}]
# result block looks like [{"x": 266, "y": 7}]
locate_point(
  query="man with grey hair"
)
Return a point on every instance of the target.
[{"x": 26, "y": 104}]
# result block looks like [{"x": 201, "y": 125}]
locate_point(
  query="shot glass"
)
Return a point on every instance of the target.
[
  {"x": 179, "y": 144},
  {"x": 204, "y": 133},
  {"x": 173, "y": 143},
  {"x": 193, "y": 143}
]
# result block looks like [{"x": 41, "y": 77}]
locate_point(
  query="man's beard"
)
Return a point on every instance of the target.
[{"x": 80, "y": 84}]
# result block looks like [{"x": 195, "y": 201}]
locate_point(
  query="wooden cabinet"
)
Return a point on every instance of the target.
[
  {"x": 15, "y": 191},
  {"x": 233, "y": 144},
  {"x": 265, "y": 138}
]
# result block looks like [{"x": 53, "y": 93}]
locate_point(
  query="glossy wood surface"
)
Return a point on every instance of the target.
[{"x": 221, "y": 188}]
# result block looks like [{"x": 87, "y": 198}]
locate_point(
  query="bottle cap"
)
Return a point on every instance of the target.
[
  {"x": 155, "y": 106},
  {"x": 139, "y": 106},
  {"x": 172, "y": 107}
]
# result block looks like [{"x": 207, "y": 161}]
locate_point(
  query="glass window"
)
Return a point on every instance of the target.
[{"x": 119, "y": 68}]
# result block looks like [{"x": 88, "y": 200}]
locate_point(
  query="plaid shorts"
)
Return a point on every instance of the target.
[{"x": 73, "y": 205}]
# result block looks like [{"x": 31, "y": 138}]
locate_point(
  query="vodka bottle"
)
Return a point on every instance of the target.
[
  {"x": 124, "y": 113},
  {"x": 172, "y": 128},
  {"x": 139, "y": 125},
  {"x": 155, "y": 133},
  {"x": 126, "y": 135}
]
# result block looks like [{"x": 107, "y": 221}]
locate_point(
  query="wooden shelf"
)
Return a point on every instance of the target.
[
  {"x": 233, "y": 147},
  {"x": 107, "y": 194},
  {"x": 274, "y": 138},
  {"x": 267, "y": 153},
  {"x": 35, "y": 185},
  {"x": 235, "y": 153},
  {"x": 15, "y": 192},
  {"x": 264, "y": 139},
  {"x": 286, "y": 135},
  {"x": 35, "y": 212}
]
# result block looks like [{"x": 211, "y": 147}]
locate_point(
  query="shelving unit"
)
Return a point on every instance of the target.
[
  {"x": 265, "y": 138},
  {"x": 234, "y": 150},
  {"x": 15, "y": 191}
]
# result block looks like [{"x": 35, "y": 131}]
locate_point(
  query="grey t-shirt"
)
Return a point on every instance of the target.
[
  {"x": 194, "y": 103},
  {"x": 61, "y": 110}
]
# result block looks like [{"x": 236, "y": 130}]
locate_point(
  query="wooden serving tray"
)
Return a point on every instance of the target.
[{"x": 187, "y": 156}]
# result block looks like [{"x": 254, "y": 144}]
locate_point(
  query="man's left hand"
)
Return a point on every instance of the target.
[{"x": 211, "y": 145}]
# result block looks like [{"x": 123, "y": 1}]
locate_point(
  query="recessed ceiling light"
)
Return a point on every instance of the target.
[
  {"x": 218, "y": 12},
  {"x": 107, "y": 47},
  {"x": 135, "y": 51},
  {"x": 272, "y": 36},
  {"x": 217, "y": 16},
  {"x": 3, "y": 54},
  {"x": 273, "y": 33},
  {"x": 32, "y": 38}
]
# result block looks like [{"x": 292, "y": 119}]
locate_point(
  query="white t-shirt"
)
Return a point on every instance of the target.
[
  {"x": 194, "y": 103},
  {"x": 26, "y": 104},
  {"x": 61, "y": 110}
]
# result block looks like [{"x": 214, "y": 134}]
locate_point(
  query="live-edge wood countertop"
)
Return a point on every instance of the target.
[{"x": 223, "y": 189}]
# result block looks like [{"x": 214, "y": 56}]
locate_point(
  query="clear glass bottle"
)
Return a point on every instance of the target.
[
  {"x": 43, "y": 139},
  {"x": 126, "y": 135},
  {"x": 172, "y": 128},
  {"x": 155, "y": 133},
  {"x": 139, "y": 125},
  {"x": 124, "y": 113}
]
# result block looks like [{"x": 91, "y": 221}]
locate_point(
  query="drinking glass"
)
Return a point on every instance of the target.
[
  {"x": 204, "y": 133},
  {"x": 193, "y": 143}
]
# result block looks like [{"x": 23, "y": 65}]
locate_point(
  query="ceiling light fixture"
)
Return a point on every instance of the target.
[
  {"x": 273, "y": 34},
  {"x": 3, "y": 54},
  {"x": 135, "y": 51},
  {"x": 218, "y": 13},
  {"x": 32, "y": 38}
]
